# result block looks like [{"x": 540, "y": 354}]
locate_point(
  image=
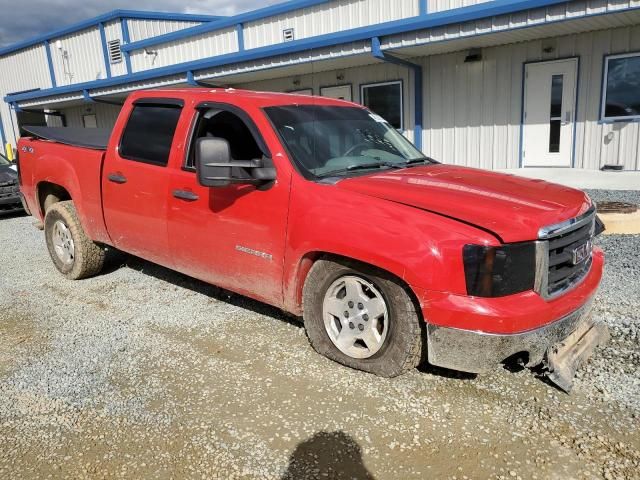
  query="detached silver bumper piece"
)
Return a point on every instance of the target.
[{"x": 561, "y": 346}]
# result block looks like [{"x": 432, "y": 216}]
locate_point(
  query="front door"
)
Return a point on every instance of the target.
[
  {"x": 549, "y": 113},
  {"x": 233, "y": 236}
]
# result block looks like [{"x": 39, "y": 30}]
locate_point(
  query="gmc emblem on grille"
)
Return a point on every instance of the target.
[{"x": 581, "y": 253}]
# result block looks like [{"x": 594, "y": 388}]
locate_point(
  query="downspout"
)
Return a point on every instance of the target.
[{"x": 376, "y": 51}]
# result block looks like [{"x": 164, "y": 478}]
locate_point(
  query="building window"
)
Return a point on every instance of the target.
[
  {"x": 621, "y": 95},
  {"x": 149, "y": 132},
  {"x": 385, "y": 99}
]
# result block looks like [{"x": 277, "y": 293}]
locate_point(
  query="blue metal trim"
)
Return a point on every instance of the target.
[
  {"x": 464, "y": 14},
  {"x": 52, "y": 72},
  {"x": 240, "y": 35},
  {"x": 424, "y": 7},
  {"x": 87, "y": 97},
  {"x": 4, "y": 138},
  {"x": 228, "y": 22},
  {"x": 363, "y": 33},
  {"x": 105, "y": 53},
  {"x": 418, "y": 108},
  {"x": 522, "y": 99},
  {"x": 191, "y": 79},
  {"x": 113, "y": 15},
  {"x": 126, "y": 39}
]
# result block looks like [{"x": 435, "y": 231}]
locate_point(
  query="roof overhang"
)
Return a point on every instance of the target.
[{"x": 352, "y": 48}]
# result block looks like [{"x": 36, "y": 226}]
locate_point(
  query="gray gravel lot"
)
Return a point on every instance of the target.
[{"x": 145, "y": 373}]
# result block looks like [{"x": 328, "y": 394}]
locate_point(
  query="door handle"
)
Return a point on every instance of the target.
[
  {"x": 567, "y": 118},
  {"x": 117, "y": 178},
  {"x": 185, "y": 195}
]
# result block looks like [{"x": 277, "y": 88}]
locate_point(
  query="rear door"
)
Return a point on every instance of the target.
[
  {"x": 135, "y": 181},
  {"x": 233, "y": 236}
]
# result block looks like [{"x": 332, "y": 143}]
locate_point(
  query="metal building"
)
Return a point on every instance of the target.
[{"x": 492, "y": 84}]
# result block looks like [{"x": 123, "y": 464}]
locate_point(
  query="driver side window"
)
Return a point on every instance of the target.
[{"x": 229, "y": 126}]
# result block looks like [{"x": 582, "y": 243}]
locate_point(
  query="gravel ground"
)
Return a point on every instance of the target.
[
  {"x": 145, "y": 373},
  {"x": 628, "y": 196}
]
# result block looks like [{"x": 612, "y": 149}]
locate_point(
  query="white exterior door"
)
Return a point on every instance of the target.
[
  {"x": 549, "y": 113},
  {"x": 343, "y": 92}
]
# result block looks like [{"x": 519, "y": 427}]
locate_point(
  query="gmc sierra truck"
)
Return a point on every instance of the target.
[{"x": 321, "y": 208}]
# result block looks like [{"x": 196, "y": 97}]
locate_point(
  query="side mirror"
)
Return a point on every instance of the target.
[
  {"x": 215, "y": 167},
  {"x": 213, "y": 162}
]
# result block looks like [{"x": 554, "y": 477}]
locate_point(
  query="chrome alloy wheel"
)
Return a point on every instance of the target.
[
  {"x": 63, "y": 243},
  {"x": 355, "y": 316}
]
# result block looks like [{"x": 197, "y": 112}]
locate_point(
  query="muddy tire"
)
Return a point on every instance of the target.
[
  {"x": 74, "y": 254},
  {"x": 362, "y": 317}
]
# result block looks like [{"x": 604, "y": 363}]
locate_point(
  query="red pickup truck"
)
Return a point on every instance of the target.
[{"x": 321, "y": 208}]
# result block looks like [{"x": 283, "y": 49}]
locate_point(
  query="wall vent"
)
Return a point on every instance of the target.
[
  {"x": 115, "y": 53},
  {"x": 288, "y": 35}
]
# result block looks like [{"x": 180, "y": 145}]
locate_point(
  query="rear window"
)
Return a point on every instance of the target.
[{"x": 149, "y": 133}]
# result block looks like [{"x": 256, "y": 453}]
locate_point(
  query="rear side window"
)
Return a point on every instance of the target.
[{"x": 149, "y": 133}]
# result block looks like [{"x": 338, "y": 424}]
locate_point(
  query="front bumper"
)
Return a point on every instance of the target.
[
  {"x": 478, "y": 352},
  {"x": 10, "y": 198}
]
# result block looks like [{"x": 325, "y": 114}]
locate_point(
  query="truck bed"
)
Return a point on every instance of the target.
[{"x": 93, "y": 138}]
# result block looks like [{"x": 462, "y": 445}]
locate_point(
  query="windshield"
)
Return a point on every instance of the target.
[
  {"x": 332, "y": 141},
  {"x": 3, "y": 160}
]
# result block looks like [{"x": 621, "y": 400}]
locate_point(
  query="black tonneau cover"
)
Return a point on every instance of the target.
[{"x": 94, "y": 138}]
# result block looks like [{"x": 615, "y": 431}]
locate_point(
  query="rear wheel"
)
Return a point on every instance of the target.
[
  {"x": 362, "y": 318},
  {"x": 74, "y": 254}
]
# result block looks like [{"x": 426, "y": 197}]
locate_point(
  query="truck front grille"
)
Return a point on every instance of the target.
[
  {"x": 568, "y": 251},
  {"x": 9, "y": 189}
]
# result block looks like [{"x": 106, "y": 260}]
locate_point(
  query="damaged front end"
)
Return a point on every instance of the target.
[
  {"x": 564, "y": 358},
  {"x": 560, "y": 347}
]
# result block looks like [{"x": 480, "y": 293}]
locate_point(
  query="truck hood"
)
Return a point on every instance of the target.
[{"x": 512, "y": 208}]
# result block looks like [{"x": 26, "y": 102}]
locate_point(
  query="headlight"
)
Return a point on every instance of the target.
[{"x": 499, "y": 271}]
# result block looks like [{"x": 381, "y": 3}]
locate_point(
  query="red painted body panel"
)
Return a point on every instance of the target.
[
  {"x": 512, "y": 207},
  {"x": 260, "y": 243},
  {"x": 512, "y": 314},
  {"x": 75, "y": 169}
]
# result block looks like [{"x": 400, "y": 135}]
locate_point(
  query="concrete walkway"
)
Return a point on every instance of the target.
[{"x": 577, "y": 178}]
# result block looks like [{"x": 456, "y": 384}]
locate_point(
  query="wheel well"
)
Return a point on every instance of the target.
[
  {"x": 312, "y": 257},
  {"x": 50, "y": 193}
]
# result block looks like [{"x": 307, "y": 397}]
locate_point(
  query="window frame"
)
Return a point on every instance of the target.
[
  {"x": 603, "y": 99},
  {"x": 202, "y": 107},
  {"x": 382, "y": 84},
  {"x": 175, "y": 103}
]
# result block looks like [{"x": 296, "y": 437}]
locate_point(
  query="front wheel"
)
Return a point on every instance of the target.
[
  {"x": 362, "y": 318},
  {"x": 74, "y": 254}
]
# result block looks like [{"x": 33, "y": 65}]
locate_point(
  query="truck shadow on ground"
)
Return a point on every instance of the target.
[
  {"x": 333, "y": 455},
  {"x": 117, "y": 259}
]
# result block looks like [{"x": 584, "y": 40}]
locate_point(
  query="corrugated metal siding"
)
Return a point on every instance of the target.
[
  {"x": 327, "y": 18},
  {"x": 113, "y": 31},
  {"x": 106, "y": 115},
  {"x": 356, "y": 77},
  {"x": 512, "y": 27},
  {"x": 23, "y": 70},
  {"x": 206, "y": 45},
  {"x": 441, "y": 5},
  {"x": 140, "y": 29},
  {"x": 85, "y": 58},
  {"x": 477, "y": 122},
  {"x": 339, "y": 52}
]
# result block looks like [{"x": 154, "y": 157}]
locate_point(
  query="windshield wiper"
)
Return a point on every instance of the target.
[
  {"x": 362, "y": 166},
  {"x": 418, "y": 161}
]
